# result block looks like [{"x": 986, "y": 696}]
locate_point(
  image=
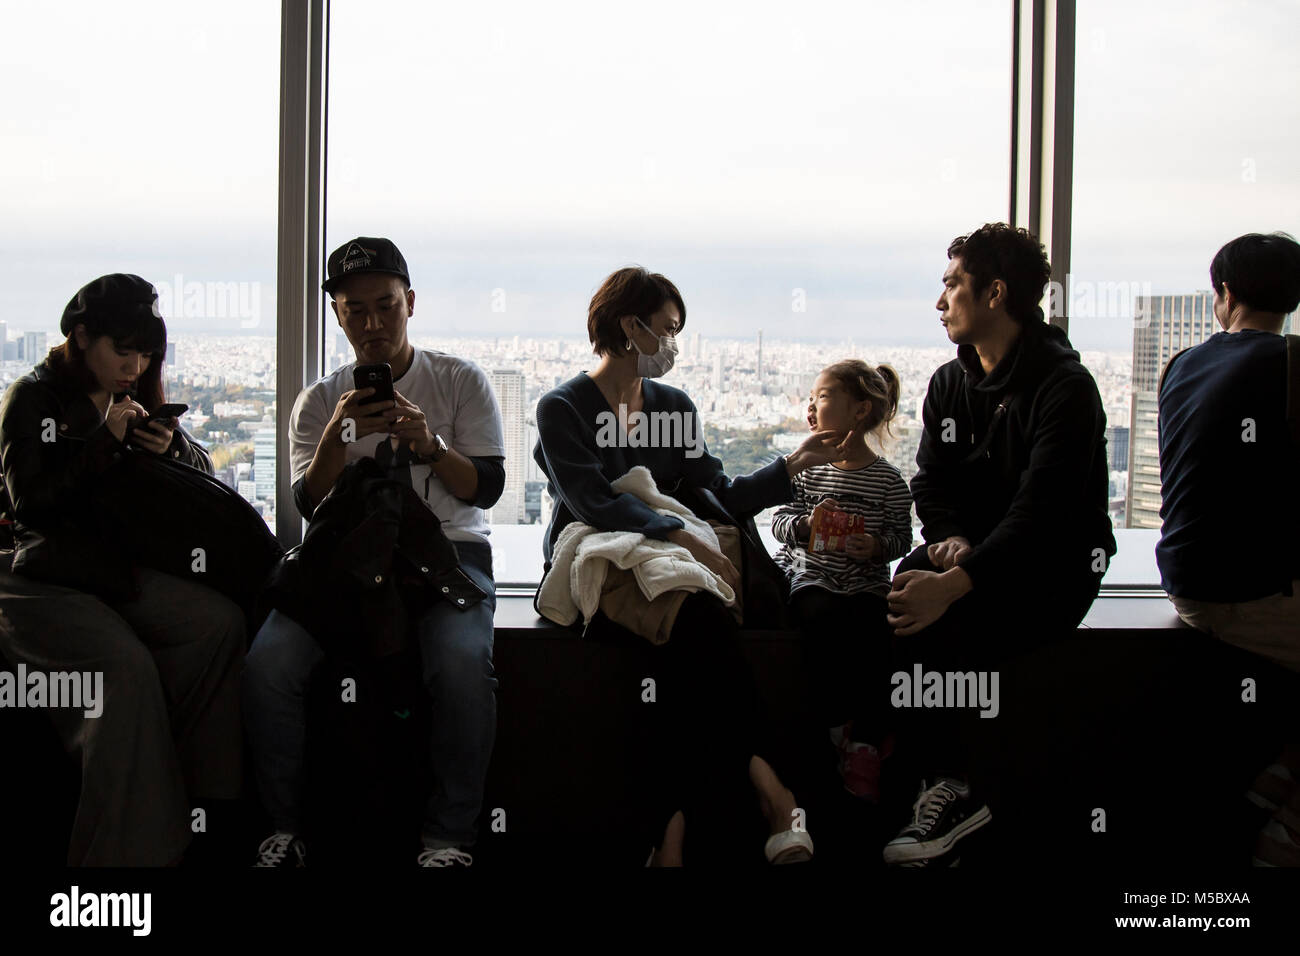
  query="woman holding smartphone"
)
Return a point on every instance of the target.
[{"x": 160, "y": 654}]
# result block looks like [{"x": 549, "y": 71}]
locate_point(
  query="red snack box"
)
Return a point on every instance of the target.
[{"x": 831, "y": 529}]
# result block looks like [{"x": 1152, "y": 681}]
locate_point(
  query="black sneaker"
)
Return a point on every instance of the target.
[
  {"x": 941, "y": 816},
  {"x": 937, "y": 863},
  {"x": 447, "y": 856},
  {"x": 281, "y": 849}
]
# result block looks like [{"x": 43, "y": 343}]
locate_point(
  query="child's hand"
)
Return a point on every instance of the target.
[
  {"x": 803, "y": 528},
  {"x": 864, "y": 548}
]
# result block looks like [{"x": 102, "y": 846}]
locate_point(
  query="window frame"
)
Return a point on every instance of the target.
[{"x": 1039, "y": 191}]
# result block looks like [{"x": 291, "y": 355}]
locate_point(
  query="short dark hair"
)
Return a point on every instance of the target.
[
  {"x": 1262, "y": 271},
  {"x": 629, "y": 291},
  {"x": 998, "y": 251}
]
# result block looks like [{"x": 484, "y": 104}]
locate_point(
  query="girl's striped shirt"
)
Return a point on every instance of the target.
[{"x": 878, "y": 493}]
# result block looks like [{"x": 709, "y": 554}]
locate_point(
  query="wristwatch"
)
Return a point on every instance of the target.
[{"x": 439, "y": 451}]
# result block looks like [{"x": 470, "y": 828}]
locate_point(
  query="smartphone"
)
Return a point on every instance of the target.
[
  {"x": 166, "y": 413},
  {"x": 379, "y": 377}
]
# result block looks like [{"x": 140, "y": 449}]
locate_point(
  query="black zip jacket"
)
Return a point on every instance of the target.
[
  {"x": 54, "y": 448},
  {"x": 1033, "y": 501}
]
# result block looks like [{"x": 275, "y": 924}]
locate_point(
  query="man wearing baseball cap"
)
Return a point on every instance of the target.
[{"x": 444, "y": 428}]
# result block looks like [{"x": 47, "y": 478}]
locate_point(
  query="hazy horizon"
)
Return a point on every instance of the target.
[{"x": 745, "y": 150}]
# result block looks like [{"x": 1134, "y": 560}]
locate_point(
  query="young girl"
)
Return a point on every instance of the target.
[{"x": 838, "y": 597}]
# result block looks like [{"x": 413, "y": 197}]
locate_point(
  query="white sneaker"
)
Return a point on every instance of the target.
[{"x": 445, "y": 856}]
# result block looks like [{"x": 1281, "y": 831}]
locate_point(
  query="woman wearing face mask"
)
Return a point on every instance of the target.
[
  {"x": 163, "y": 653},
  {"x": 705, "y": 693}
]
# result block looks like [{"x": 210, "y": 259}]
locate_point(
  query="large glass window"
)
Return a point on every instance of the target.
[
  {"x": 797, "y": 171},
  {"x": 1186, "y": 132},
  {"x": 144, "y": 139}
]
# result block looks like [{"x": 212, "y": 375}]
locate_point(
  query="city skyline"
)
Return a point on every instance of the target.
[
  {"x": 733, "y": 393},
  {"x": 892, "y": 304},
  {"x": 791, "y": 168}
]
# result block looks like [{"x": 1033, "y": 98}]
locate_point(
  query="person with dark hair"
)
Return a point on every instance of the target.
[
  {"x": 838, "y": 582},
  {"x": 441, "y": 432},
  {"x": 167, "y": 738},
  {"x": 1223, "y": 416},
  {"x": 705, "y": 686},
  {"x": 1226, "y": 553},
  {"x": 1010, "y": 489}
]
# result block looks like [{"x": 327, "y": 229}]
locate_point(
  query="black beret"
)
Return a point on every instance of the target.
[{"x": 119, "y": 294}]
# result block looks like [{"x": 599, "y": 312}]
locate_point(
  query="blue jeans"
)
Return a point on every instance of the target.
[{"x": 456, "y": 657}]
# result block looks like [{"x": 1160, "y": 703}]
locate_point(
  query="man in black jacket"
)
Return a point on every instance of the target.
[{"x": 1011, "y": 491}]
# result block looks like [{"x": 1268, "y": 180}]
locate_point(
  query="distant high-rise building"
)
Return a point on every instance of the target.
[
  {"x": 4, "y": 332},
  {"x": 534, "y": 471},
  {"x": 717, "y": 372},
  {"x": 695, "y": 347},
  {"x": 1117, "y": 447},
  {"x": 33, "y": 347},
  {"x": 1163, "y": 325},
  {"x": 264, "y": 463},
  {"x": 760, "y": 361},
  {"x": 534, "y": 491},
  {"x": 169, "y": 359},
  {"x": 508, "y": 384}
]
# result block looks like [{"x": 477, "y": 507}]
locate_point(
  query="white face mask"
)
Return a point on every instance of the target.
[{"x": 661, "y": 362}]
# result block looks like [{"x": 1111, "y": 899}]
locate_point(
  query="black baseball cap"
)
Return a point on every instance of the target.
[{"x": 363, "y": 254}]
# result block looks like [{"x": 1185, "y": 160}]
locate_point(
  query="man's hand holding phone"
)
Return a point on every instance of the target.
[
  {"x": 366, "y": 416},
  {"x": 411, "y": 427}
]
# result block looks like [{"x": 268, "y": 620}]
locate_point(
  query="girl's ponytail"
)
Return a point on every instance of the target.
[{"x": 880, "y": 386}]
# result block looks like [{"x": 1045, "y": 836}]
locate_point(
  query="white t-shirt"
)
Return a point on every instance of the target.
[{"x": 457, "y": 401}]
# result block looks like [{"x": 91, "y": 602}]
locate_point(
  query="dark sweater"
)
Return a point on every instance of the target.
[
  {"x": 580, "y": 471},
  {"x": 1034, "y": 505},
  {"x": 1230, "y": 521}
]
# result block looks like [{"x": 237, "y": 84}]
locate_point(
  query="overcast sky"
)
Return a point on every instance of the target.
[{"x": 746, "y": 150}]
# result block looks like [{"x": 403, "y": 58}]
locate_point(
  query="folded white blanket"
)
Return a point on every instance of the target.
[{"x": 582, "y": 557}]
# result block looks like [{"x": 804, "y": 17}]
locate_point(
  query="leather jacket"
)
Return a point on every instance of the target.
[{"x": 54, "y": 446}]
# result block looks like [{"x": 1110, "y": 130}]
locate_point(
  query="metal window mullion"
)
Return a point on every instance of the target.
[
  {"x": 1042, "y": 128},
  {"x": 303, "y": 25}
]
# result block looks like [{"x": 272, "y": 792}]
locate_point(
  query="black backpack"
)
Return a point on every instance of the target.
[{"x": 182, "y": 521}]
